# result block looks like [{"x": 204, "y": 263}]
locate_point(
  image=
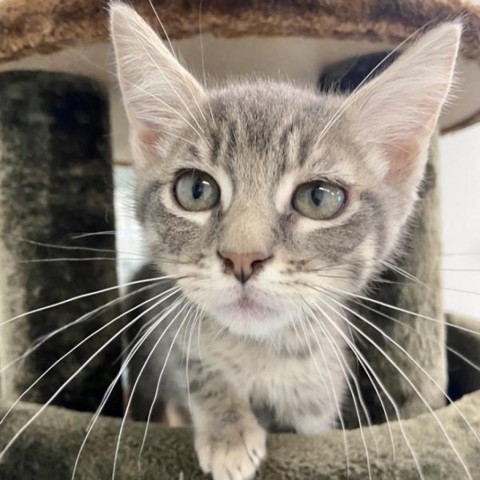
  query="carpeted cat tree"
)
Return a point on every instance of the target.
[{"x": 56, "y": 97}]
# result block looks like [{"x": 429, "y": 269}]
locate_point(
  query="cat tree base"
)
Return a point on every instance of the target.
[{"x": 51, "y": 447}]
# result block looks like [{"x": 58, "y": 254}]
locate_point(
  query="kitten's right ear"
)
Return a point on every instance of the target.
[{"x": 158, "y": 93}]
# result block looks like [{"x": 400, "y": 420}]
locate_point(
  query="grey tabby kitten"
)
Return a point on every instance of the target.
[{"x": 266, "y": 204}]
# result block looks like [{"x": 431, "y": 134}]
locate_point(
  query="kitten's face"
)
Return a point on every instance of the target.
[
  {"x": 253, "y": 197},
  {"x": 259, "y": 150}
]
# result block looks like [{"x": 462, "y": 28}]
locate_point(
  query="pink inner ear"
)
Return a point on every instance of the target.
[
  {"x": 146, "y": 137},
  {"x": 146, "y": 140},
  {"x": 403, "y": 152},
  {"x": 403, "y": 159}
]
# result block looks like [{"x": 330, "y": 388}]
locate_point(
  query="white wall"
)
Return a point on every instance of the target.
[
  {"x": 130, "y": 245},
  {"x": 460, "y": 184}
]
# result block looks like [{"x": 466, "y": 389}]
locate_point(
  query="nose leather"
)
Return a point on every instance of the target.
[{"x": 243, "y": 265}]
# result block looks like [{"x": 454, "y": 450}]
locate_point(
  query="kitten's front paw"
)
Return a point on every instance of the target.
[{"x": 233, "y": 453}]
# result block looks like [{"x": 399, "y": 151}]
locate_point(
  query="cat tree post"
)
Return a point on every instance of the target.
[
  {"x": 421, "y": 354},
  {"x": 55, "y": 181}
]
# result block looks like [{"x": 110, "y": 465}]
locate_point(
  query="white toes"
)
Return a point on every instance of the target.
[
  {"x": 235, "y": 456},
  {"x": 255, "y": 444},
  {"x": 204, "y": 454},
  {"x": 232, "y": 463}
]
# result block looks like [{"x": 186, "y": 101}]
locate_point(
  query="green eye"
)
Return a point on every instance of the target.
[
  {"x": 196, "y": 191},
  {"x": 319, "y": 200}
]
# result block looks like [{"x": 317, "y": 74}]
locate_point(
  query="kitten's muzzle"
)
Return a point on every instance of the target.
[{"x": 243, "y": 265}]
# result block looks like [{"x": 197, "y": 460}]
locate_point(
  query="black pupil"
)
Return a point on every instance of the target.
[
  {"x": 197, "y": 188},
  {"x": 317, "y": 194}
]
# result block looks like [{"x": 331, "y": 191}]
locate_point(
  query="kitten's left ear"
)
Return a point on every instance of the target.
[
  {"x": 160, "y": 96},
  {"x": 398, "y": 110}
]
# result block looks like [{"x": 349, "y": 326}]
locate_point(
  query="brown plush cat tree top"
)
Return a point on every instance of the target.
[
  {"x": 48, "y": 26},
  {"x": 32, "y": 35}
]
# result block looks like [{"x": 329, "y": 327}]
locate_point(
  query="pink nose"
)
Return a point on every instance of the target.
[{"x": 243, "y": 265}]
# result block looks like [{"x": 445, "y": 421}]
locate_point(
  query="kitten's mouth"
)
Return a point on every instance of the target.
[
  {"x": 247, "y": 304},
  {"x": 248, "y": 311}
]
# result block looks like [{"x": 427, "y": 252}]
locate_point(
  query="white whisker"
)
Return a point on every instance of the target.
[
  {"x": 44, "y": 338},
  {"x": 157, "y": 388},
  {"x": 187, "y": 378},
  {"x": 403, "y": 310},
  {"x": 93, "y": 234},
  {"x": 331, "y": 393},
  {"x": 85, "y": 295},
  {"x": 165, "y": 104},
  {"x": 157, "y": 321},
  {"x": 132, "y": 392},
  {"x": 405, "y": 376},
  {"x": 355, "y": 380},
  {"x": 367, "y": 367},
  {"x": 79, "y": 370},
  {"x": 352, "y": 95},
  {"x": 396, "y": 320}
]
